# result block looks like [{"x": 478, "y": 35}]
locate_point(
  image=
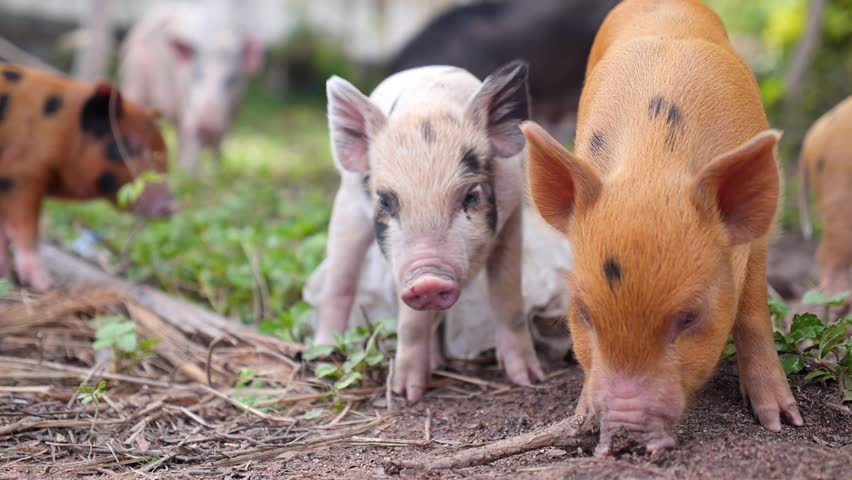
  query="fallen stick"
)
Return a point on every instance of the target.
[{"x": 566, "y": 434}]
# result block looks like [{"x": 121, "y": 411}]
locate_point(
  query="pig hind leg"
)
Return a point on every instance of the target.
[
  {"x": 413, "y": 363},
  {"x": 515, "y": 350},
  {"x": 762, "y": 381},
  {"x": 349, "y": 237}
]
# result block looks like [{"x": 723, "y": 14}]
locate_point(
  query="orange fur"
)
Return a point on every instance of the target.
[
  {"x": 826, "y": 166},
  {"x": 668, "y": 203},
  {"x": 45, "y": 151}
]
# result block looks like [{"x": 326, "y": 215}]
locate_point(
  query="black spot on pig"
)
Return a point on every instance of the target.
[
  {"x": 491, "y": 201},
  {"x": 428, "y": 132},
  {"x": 4, "y": 104},
  {"x": 655, "y": 107},
  {"x": 95, "y": 114},
  {"x": 387, "y": 204},
  {"x": 12, "y": 76},
  {"x": 393, "y": 106},
  {"x": 6, "y": 184},
  {"x": 365, "y": 184},
  {"x": 108, "y": 184},
  {"x": 674, "y": 124},
  {"x": 674, "y": 117},
  {"x": 469, "y": 162},
  {"x": 597, "y": 143},
  {"x": 380, "y": 227},
  {"x": 820, "y": 164},
  {"x": 612, "y": 271},
  {"x": 52, "y": 105},
  {"x": 115, "y": 153}
]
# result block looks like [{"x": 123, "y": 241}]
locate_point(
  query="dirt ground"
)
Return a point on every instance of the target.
[{"x": 717, "y": 439}]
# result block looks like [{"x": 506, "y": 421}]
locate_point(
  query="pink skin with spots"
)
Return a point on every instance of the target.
[{"x": 431, "y": 170}]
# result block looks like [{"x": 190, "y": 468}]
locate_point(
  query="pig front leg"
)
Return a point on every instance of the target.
[
  {"x": 762, "y": 381},
  {"x": 515, "y": 350},
  {"x": 349, "y": 236},
  {"x": 189, "y": 148},
  {"x": 413, "y": 364},
  {"x": 5, "y": 264},
  {"x": 21, "y": 225}
]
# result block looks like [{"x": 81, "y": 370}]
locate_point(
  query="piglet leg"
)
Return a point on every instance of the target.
[
  {"x": 5, "y": 265},
  {"x": 22, "y": 229},
  {"x": 515, "y": 349},
  {"x": 349, "y": 237},
  {"x": 412, "y": 366},
  {"x": 762, "y": 381}
]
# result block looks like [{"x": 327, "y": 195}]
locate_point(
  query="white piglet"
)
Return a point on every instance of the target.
[{"x": 431, "y": 167}]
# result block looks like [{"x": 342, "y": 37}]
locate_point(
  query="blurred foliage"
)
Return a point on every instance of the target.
[{"x": 251, "y": 228}]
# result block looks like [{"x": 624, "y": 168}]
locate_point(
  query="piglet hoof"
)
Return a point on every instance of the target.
[
  {"x": 411, "y": 377},
  {"x": 32, "y": 275},
  {"x": 518, "y": 358},
  {"x": 771, "y": 400}
]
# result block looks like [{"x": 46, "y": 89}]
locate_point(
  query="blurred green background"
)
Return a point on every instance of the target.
[{"x": 253, "y": 227}]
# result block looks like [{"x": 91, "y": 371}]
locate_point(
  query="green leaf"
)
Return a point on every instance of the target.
[
  {"x": 783, "y": 344},
  {"x": 5, "y": 287},
  {"x": 354, "y": 361},
  {"x": 314, "y": 413},
  {"x": 326, "y": 370},
  {"x": 792, "y": 364},
  {"x": 317, "y": 351},
  {"x": 778, "y": 309},
  {"x": 819, "y": 375},
  {"x": 831, "y": 337},
  {"x": 348, "y": 380},
  {"x": 806, "y": 325},
  {"x": 838, "y": 299},
  {"x": 814, "y": 297},
  {"x": 375, "y": 358}
]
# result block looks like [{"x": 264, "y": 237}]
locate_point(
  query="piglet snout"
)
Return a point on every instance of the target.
[
  {"x": 156, "y": 201},
  {"x": 634, "y": 413},
  {"x": 430, "y": 292}
]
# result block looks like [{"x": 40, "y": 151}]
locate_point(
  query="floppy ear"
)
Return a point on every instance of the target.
[
  {"x": 742, "y": 186},
  {"x": 95, "y": 114},
  {"x": 560, "y": 183},
  {"x": 500, "y": 105},
  {"x": 352, "y": 119}
]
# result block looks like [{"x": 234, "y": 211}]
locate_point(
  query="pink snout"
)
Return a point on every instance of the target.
[
  {"x": 429, "y": 292},
  {"x": 645, "y": 414}
]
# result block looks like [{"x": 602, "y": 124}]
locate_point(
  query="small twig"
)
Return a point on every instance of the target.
[
  {"x": 472, "y": 380},
  {"x": 563, "y": 434},
  {"x": 340, "y": 416},
  {"x": 216, "y": 341},
  {"x": 388, "y": 383},
  {"x": 427, "y": 426},
  {"x": 247, "y": 408}
]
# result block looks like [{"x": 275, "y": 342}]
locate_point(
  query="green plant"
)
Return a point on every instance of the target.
[
  {"x": 360, "y": 349},
  {"x": 118, "y": 333},
  {"x": 817, "y": 346},
  {"x": 92, "y": 394},
  {"x": 247, "y": 378},
  {"x": 131, "y": 191},
  {"x": 5, "y": 287}
]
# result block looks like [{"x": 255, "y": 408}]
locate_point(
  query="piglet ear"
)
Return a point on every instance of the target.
[
  {"x": 560, "y": 183},
  {"x": 252, "y": 55},
  {"x": 183, "y": 51},
  {"x": 95, "y": 113},
  {"x": 742, "y": 186},
  {"x": 501, "y": 104},
  {"x": 352, "y": 119}
]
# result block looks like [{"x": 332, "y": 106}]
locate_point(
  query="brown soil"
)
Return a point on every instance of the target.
[{"x": 717, "y": 438}]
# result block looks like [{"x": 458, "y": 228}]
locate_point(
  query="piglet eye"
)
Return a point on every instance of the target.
[
  {"x": 684, "y": 321},
  {"x": 583, "y": 313},
  {"x": 387, "y": 203},
  {"x": 472, "y": 198}
]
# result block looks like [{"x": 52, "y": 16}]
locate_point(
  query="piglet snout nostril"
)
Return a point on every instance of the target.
[{"x": 429, "y": 292}]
